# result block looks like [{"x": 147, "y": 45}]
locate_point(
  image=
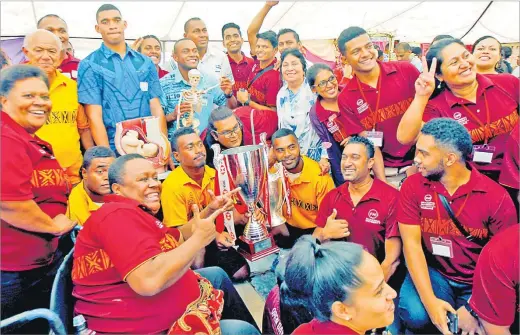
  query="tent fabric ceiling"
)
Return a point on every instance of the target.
[{"x": 407, "y": 21}]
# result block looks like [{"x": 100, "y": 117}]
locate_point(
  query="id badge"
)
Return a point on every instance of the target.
[
  {"x": 376, "y": 137},
  {"x": 483, "y": 153},
  {"x": 441, "y": 247},
  {"x": 144, "y": 86},
  {"x": 74, "y": 74},
  {"x": 204, "y": 101}
]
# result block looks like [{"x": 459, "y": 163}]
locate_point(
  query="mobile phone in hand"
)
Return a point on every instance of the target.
[{"x": 453, "y": 323}]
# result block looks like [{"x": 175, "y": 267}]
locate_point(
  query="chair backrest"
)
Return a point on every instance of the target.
[
  {"x": 62, "y": 301},
  {"x": 25, "y": 318}
]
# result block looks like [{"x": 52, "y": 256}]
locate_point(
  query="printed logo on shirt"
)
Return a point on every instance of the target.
[
  {"x": 218, "y": 68},
  {"x": 372, "y": 216},
  {"x": 362, "y": 106},
  {"x": 458, "y": 117},
  {"x": 427, "y": 203},
  {"x": 159, "y": 224},
  {"x": 304, "y": 205},
  {"x": 62, "y": 117},
  {"x": 501, "y": 126}
]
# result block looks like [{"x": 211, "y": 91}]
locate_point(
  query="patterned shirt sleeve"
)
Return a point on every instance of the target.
[{"x": 90, "y": 85}]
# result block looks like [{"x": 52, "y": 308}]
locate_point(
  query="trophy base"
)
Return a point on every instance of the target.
[{"x": 253, "y": 251}]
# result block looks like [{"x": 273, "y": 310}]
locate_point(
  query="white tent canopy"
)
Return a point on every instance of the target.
[{"x": 406, "y": 21}]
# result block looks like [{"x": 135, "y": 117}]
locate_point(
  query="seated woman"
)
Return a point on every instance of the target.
[
  {"x": 132, "y": 274},
  {"x": 341, "y": 285}
]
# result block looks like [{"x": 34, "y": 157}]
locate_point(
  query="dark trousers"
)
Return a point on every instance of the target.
[
  {"x": 234, "y": 307},
  {"x": 26, "y": 290}
]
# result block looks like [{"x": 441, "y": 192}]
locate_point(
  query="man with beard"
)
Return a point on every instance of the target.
[
  {"x": 307, "y": 187},
  {"x": 115, "y": 82},
  {"x": 375, "y": 100},
  {"x": 58, "y": 26},
  {"x": 186, "y": 55},
  {"x": 241, "y": 65},
  {"x": 452, "y": 210},
  {"x": 88, "y": 195},
  {"x": 193, "y": 182},
  {"x": 150, "y": 46},
  {"x": 234, "y": 128}
]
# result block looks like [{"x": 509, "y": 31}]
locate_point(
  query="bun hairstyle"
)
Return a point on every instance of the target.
[{"x": 317, "y": 275}]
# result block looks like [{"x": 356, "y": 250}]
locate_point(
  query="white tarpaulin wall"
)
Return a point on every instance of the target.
[{"x": 407, "y": 21}]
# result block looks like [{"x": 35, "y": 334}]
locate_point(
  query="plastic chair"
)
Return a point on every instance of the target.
[
  {"x": 62, "y": 301},
  {"x": 19, "y": 320}
]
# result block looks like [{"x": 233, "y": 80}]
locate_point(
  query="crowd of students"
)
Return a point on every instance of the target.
[{"x": 403, "y": 182}]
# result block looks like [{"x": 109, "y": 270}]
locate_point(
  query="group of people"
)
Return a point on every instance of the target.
[{"x": 402, "y": 181}]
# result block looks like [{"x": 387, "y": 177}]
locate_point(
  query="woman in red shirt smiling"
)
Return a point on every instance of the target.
[{"x": 342, "y": 285}]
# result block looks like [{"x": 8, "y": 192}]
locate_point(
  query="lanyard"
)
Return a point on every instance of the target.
[
  {"x": 373, "y": 113},
  {"x": 487, "y": 130},
  {"x": 439, "y": 211}
]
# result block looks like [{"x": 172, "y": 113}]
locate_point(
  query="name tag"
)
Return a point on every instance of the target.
[
  {"x": 144, "y": 86},
  {"x": 203, "y": 101},
  {"x": 441, "y": 247},
  {"x": 74, "y": 74},
  {"x": 376, "y": 137},
  {"x": 483, "y": 153}
]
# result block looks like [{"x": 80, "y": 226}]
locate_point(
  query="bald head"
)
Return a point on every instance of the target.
[{"x": 43, "y": 49}]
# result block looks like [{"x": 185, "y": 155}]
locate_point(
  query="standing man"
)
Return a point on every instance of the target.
[
  {"x": 212, "y": 60},
  {"x": 58, "y": 26},
  {"x": 89, "y": 194},
  {"x": 116, "y": 83},
  {"x": 241, "y": 65},
  {"x": 193, "y": 183},
  {"x": 442, "y": 248},
  {"x": 67, "y": 123},
  {"x": 376, "y": 99},
  {"x": 186, "y": 54},
  {"x": 307, "y": 187},
  {"x": 404, "y": 52},
  {"x": 264, "y": 80}
]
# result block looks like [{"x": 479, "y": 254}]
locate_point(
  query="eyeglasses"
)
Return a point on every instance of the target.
[
  {"x": 332, "y": 79},
  {"x": 230, "y": 133}
]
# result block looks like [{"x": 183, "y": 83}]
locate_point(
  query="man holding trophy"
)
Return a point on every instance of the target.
[
  {"x": 193, "y": 182},
  {"x": 306, "y": 184}
]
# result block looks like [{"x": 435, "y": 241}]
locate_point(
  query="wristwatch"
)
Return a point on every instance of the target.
[{"x": 228, "y": 96}]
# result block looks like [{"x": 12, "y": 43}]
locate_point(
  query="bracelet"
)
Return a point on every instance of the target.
[{"x": 229, "y": 96}]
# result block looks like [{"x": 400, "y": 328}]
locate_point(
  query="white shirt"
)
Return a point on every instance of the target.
[
  {"x": 214, "y": 61},
  {"x": 293, "y": 113},
  {"x": 516, "y": 72}
]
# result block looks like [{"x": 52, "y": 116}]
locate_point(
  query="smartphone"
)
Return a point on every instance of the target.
[{"x": 453, "y": 323}]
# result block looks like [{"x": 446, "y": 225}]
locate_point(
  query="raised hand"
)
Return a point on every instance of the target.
[
  {"x": 335, "y": 228},
  {"x": 226, "y": 86},
  {"x": 438, "y": 311},
  {"x": 425, "y": 83},
  {"x": 224, "y": 240},
  {"x": 324, "y": 166},
  {"x": 224, "y": 201},
  {"x": 272, "y": 3},
  {"x": 137, "y": 43}
]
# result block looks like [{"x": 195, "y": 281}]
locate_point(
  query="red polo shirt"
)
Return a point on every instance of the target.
[
  {"x": 327, "y": 327},
  {"x": 265, "y": 121},
  {"x": 69, "y": 67},
  {"x": 509, "y": 174},
  {"x": 485, "y": 209},
  {"x": 115, "y": 240},
  {"x": 495, "y": 287},
  {"x": 29, "y": 172},
  {"x": 338, "y": 123},
  {"x": 263, "y": 91},
  {"x": 241, "y": 72},
  {"x": 502, "y": 94},
  {"x": 397, "y": 90},
  {"x": 371, "y": 221}
]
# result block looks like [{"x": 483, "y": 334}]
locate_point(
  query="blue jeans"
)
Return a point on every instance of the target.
[
  {"x": 235, "y": 312},
  {"x": 411, "y": 310}
]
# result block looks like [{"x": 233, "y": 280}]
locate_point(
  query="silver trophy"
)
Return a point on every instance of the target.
[
  {"x": 277, "y": 194},
  {"x": 247, "y": 168}
]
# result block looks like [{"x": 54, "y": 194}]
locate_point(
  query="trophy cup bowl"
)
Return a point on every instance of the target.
[
  {"x": 246, "y": 167},
  {"x": 276, "y": 195}
]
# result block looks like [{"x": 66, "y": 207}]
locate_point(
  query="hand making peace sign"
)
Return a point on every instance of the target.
[{"x": 425, "y": 84}]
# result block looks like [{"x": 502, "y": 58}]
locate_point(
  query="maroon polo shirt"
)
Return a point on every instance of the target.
[
  {"x": 338, "y": 123},
  {"x": 397, "y": 90},
  {"x": 483, "y": 208},
  {"x": 495, "y": 286},
  {"x": 371, "y": 221},
  {"x": 263, "y": 91},
  {"x": 327, "y": 327},
  {"x": 116, "y": 239},
  {"x": 241, "y": 72},
  {"x": 29, "y": 172},
  {"x": 264, "y": 121},
  {"x": 69, "y": 67},
  {"x": 509, "y": 174},
  {"x": 502, "y": 94}
]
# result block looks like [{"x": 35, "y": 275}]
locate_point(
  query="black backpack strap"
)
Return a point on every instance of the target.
[
  {"x": 259, "y": 74},
  {"x": 456, "y": 221}
]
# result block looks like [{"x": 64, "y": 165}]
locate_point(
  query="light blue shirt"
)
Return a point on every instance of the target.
[{"x": 172, "y": 86}]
